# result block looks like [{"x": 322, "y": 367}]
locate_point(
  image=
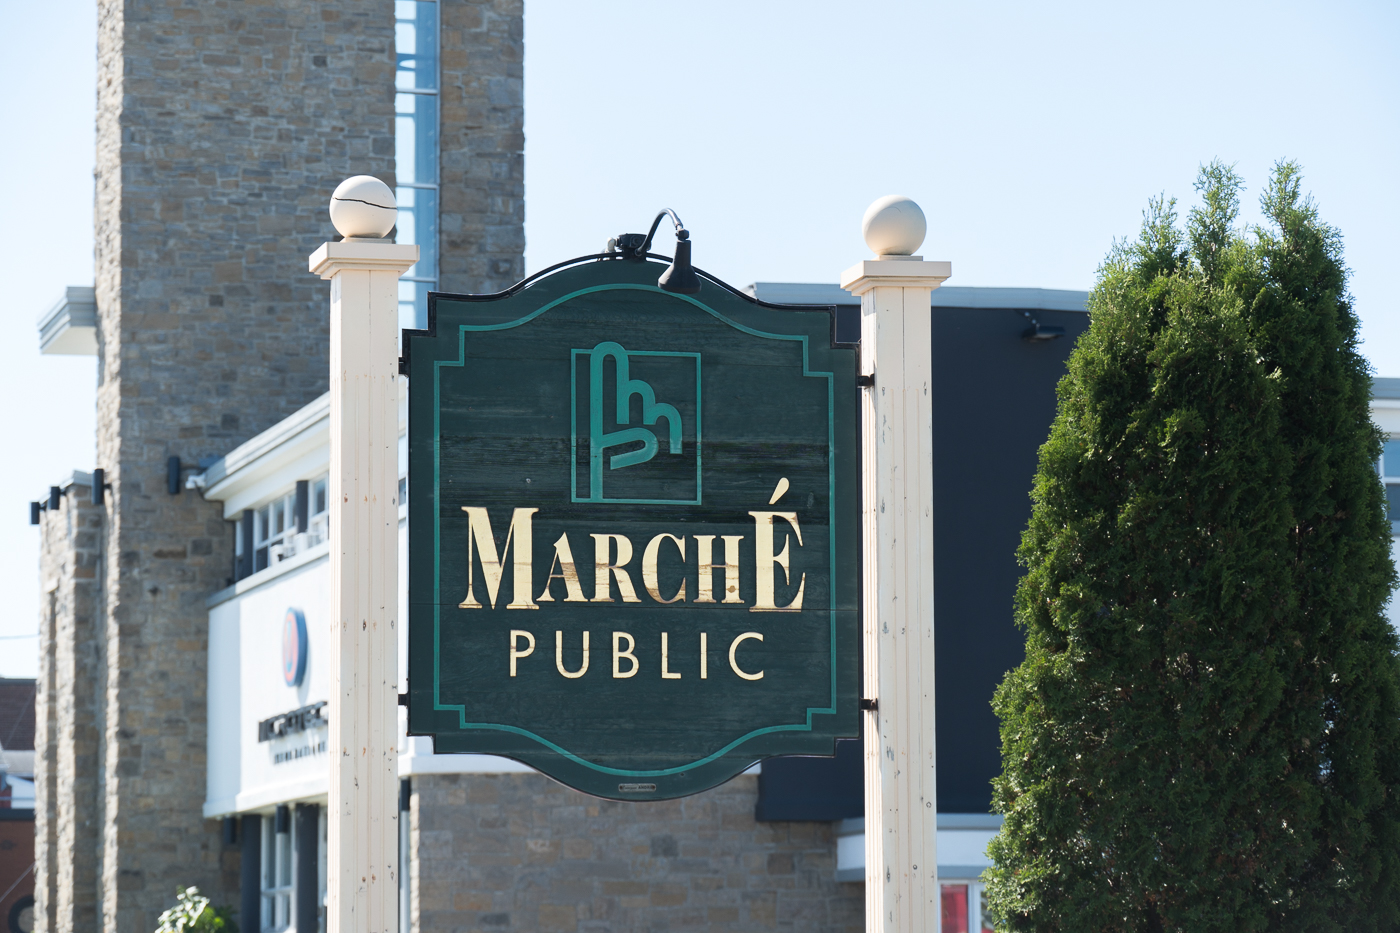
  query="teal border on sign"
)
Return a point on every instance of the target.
[
  {"x": 573, "y": 434},
  {"x": 460, "y": 709}
]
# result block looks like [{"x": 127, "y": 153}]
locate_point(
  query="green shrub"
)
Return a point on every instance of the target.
[
  {"x": 192, "y": 912},
  {"x": 1205, "y": 733}
]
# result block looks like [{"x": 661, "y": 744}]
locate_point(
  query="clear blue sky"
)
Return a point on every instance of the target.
[{"x": 1031, "y": 133}]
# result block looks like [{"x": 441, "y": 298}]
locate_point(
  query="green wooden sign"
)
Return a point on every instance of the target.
[{"x": 633, "y": 530}]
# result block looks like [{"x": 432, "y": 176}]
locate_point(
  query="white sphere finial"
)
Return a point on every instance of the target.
[
  {"x": 363, "y": 206},
  {"x": 894, "y": 226}
]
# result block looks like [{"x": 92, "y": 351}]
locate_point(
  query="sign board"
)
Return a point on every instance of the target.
[{"x": 634, "y": 530}]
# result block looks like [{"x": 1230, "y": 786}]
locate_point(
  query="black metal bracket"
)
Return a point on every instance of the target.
[
  {"x": 865, "y": 381},
  {"x": 868, "y": 704},
  {"x": 636, "y": 245},
  {"x": 631, "y": 245},
  {"x": 1038, "y": 332}
]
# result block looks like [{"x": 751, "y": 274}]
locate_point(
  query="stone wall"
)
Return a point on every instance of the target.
[
  {"x": 46, "y": 736},
  {"x": 222, "y": 128},
  {"x": 66, "y": 715},
  {"x": 221, "y": 131},
  {"x": 482, "y": 169},
  {"x": 502, "y": 852}
]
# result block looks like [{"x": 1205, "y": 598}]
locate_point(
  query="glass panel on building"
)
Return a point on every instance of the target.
[
  {"x": 1390, "y": 473},
  {"x": 416, "y": 151},
  {"x": 1390, "y": 460},
  {"x": 277, "y": 875},
  {"x": 954, "y": 897}
]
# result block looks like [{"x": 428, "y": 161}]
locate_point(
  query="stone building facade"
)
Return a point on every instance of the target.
[
  {"x": 482, "y": 165},
  {"x": 66, "y": 727},
  {"x": 222, "y": 128},
  {"x": 519, "y": 852}
]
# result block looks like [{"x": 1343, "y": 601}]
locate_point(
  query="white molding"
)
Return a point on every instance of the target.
[
  {"x": 270, "y": 573},
  {"x": 69, "y": 328},
  {"x": 363, "y": 255},
  {"x": 1385, "y": 412},
  {"x": 297, "y": 446},
  {"x": 267, "y": 795},
  {"x": 894, "y": 273},
  {"x": 946, "y": 296},
  {"x": 410, "y": 765}
]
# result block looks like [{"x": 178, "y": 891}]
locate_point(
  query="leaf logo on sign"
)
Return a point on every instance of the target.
[
  {"x": 652, "y": 411},
  {"x": 659, "y": 426}
]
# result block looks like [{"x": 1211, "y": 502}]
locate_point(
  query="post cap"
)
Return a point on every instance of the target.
[
  {"x": 894, "y": 226},
  {"x": 363, "y": 206}
]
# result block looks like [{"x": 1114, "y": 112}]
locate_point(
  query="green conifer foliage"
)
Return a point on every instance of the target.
[{"x": 1205, "y": 733}]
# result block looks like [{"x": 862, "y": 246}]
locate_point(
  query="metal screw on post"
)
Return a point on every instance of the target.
[
  {"x": 896, "y": 345},
  {"x": 363, "y": 270}
]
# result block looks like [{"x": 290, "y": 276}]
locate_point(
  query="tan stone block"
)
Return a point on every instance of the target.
[
  {"x": 230, "y": 270},
  {"x": 558, "y": 918},
  {"x": 761, "y": 907},
  {"x": 577, "y": 849},
  {"x": 668, "y": 894},
  {"x": 722, "y": 914},
  {"x": 809, "y": 834},
  {"x": 542, "y": 851},
  {"x": 624, "y": 887},
  {"x": 471, "y": 901}
]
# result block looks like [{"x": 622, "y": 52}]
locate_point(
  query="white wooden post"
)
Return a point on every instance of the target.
[
  {"x": 362, "y": 853},
  {"x": 901, "y": 810}
]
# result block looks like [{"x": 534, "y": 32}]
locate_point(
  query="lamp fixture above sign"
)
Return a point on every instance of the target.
[{"x": 679, "y": 278}]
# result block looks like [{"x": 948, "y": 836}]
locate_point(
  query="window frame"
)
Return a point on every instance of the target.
[
  {"x": 1389, "y": 480},
  {"x": 269, "y": 541},
  {"x": 976, "y": 894},
  {"x": 277, "y": 877},
  {"x": 267, "y": 545},
  {"x": 424, "y": 275}
]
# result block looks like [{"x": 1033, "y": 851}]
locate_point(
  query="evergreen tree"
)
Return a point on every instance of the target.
[{"x": 1205, "y": 733}]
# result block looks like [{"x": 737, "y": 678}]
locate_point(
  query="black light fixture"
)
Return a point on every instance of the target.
[
  {"x": 282, "y": 821},
  {"x": 35, "y": 509},
  {"x": 99, "y": 486},
  {"x": 680, "y": 276},
  {"x": 1038, "y": 332},
  {"x": 55, "y": 497},
  {"x": 172, "y": 475}
]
